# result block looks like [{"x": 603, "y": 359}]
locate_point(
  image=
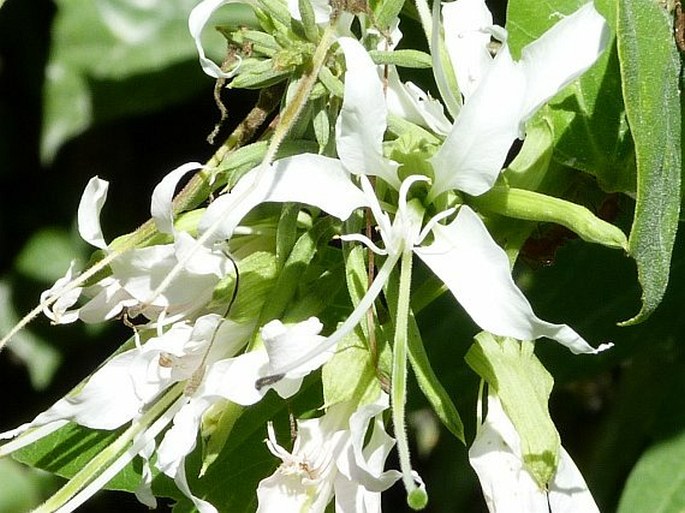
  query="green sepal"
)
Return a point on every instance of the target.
[
  {"x": 405, "y": 58},
  {"x": 351, "y": 374},
  {"x": 523, "y": 385},
  {"x": 217, "y": 424},
  {"x": 286, "y": 232}
]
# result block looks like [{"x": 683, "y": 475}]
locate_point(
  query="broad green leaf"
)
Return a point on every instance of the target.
[
  {"x": 657, "y": 483},
  {"x": 112, "y": 58},
  {"x": 511, "y": 368},
  {"x": 257, "y": 276},
  {"x": 588, "y": 118},
  {"x": 650, "y": 68}
]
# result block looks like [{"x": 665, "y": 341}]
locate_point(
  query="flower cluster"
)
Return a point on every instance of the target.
[{"x": 227, "y": 301}]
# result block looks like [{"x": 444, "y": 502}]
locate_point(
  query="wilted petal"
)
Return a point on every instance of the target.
[
  {"x": 161, "y": 204},
  {"x": 466, "y": 41},
  {"x": 92, "y": 201},
  {"x": 197, "y": 20},
  {"x": 363, "y": 117},
  {"x": 476, "y": 270},
  {"x": 507, "y": 485},
  {"x": 311, "y": 179},
  {"x": 561, "y": 55}
]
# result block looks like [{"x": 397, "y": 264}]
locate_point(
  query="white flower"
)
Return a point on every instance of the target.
[
  {"x": 330, "y": 459},
  {"x": 125, "y": 387},
  {"x": 236, "y": 377},
  {"x": 508, "y": 486},
  {"x": 500, "y": 94},
  {"x": 138, "y": 275}
]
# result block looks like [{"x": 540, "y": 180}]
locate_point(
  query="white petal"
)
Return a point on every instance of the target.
[
  {"x": 568, "y": 492},
  {"x": 180, "y": 439},
  {"x": 472, "y": 156},
  {"x": 197, "y": 20},
  {"x": 466, "y": 41},
  {"x": 234, "y": 378},
  {"x": 363, "y": 464},
  {"x": 59, "y": 312},
  {"x": 107, "y": 401},
  {"x": 92, "y": 201},
  {"x": 476, "y": 270},
  {"x": 561, "y": 55},
  {"x": 363, "y": 118},
  {"x": 311, "y": 179},
  {"x": 496, "y": 457},
  {"x": 413, "y": 104},
  {"x": 507, "y": 486},
  {"x": 162, "y": 196},
  {"x": 182, "y": 482},
  {"x": 285, "y": 344}
]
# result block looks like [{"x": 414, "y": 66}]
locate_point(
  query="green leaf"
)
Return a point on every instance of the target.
[
  {"x": 350, "y": 375},
  {"x": 289, "y": 278},
  {"x": 650, "y": 67},
  {"x": 588, "y": 118},
  {"x": 511, "y": 368},
  {"x": 657, "y": 483}
]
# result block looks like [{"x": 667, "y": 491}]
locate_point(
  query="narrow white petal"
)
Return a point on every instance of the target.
[
  {"x": 476, "y": 270},
  {"x": 163, "y": 195},
  {"x": 311, "y": 179},
  {"x": 197, "y": 20},
  {"x": 180, "y": 439},
  {"x": 92, "y": 201},
  {"x": 363, "y": 118},
  {"x": 466, "y": 40},
  {"x": 182, "y": 482},
  {"x": 472, "y": 156},
  {"x": 561, "y": 55},
  {"x": 410, "y": 102}
]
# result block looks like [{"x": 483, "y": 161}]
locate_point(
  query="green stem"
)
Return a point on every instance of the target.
[
  {"x": 105, "y": 458},
  {"x": 416, "y": 497}
]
